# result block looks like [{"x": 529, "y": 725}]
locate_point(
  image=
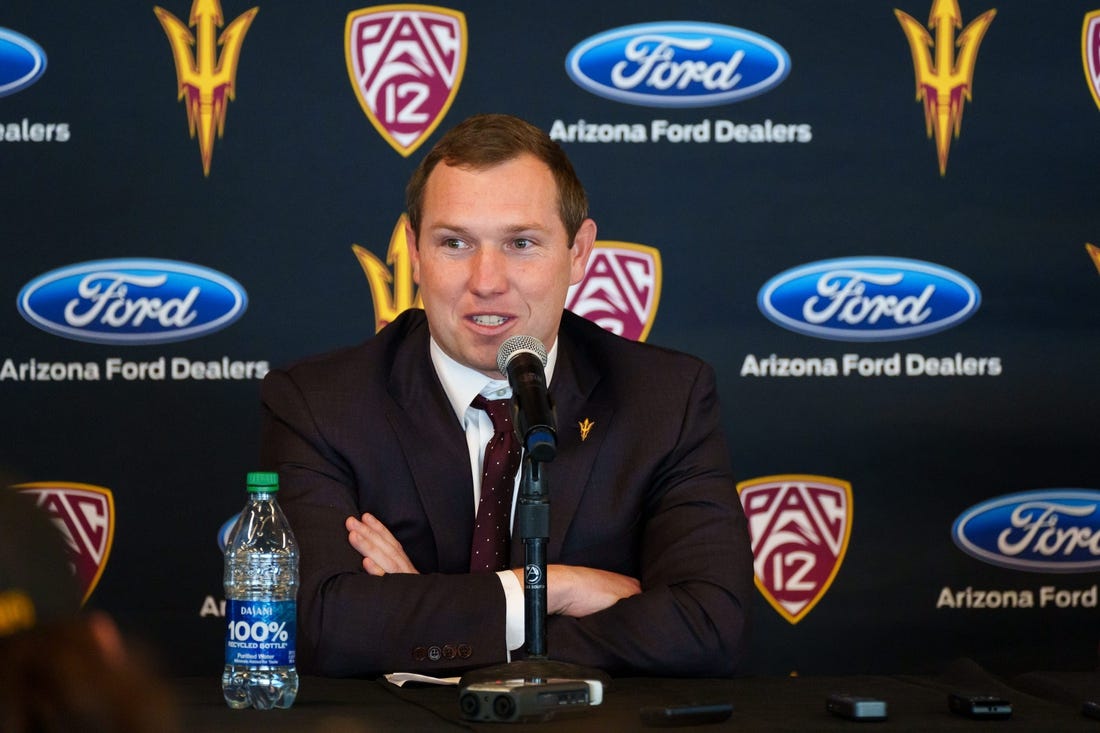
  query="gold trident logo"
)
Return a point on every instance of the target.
[
  {"x": 944, "y": 84},
  {"x": 1094, "y": 253},
  {"x": 586, "y": 426},
  {"x": 388, "y": 304},
  {"x": 208, "y": 81}
]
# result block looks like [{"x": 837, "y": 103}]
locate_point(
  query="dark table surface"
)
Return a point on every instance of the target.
[{"x": 1042, "y": 701}]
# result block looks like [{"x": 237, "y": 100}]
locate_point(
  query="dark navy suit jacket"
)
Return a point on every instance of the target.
[{"x": 648, "y": 493}]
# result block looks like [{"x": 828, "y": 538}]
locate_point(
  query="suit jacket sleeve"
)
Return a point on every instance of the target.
[
  {"x": 351, "y": 623},
  {"x": 671, "y": 504}
]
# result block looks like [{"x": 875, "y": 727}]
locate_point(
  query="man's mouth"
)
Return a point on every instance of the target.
[{"x": 489, "y": 320}]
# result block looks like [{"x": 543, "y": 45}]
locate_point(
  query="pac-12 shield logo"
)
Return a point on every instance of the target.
[
  {"x": 85, "y": 514},
  {"x": 405, "y": 63},
  {"x": 1090, "y": 52},
  {"x": 620, "y": 289},
  {"x": 799, "y": 525}
]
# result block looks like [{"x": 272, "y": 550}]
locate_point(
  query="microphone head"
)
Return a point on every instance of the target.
[{"x": 517, "y": 345}]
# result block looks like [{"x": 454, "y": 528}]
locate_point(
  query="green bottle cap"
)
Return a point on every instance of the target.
[{"x": 265, "y": 481}]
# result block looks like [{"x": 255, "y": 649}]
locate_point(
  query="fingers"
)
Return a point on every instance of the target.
[
  {"x": 379, "y": 533},
  {"x": 579, "y": 591},
  {"x": 372, "y": 567},
  {"x": 381, "y": 551}
]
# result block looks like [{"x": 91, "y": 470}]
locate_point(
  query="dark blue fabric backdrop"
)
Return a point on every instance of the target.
[{"x": 301, "y": 174}]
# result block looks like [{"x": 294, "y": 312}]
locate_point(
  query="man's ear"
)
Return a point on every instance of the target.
[
  {"x": 583, "y": 243},
  {"x": 414, "y": 250}
]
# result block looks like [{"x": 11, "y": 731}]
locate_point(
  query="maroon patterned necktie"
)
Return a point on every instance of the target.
[{"x": 490, "y": 549}]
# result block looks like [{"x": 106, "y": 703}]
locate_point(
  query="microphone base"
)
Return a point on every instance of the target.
[
  {"x": 530, "y": 690},
  {"x": 536, "y": 671}
]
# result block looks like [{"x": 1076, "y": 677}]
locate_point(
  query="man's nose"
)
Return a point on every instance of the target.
[{"x": 489, "y": 271}]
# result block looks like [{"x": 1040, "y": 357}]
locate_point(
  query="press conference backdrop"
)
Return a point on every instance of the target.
[{"x": 872, "y": 219}]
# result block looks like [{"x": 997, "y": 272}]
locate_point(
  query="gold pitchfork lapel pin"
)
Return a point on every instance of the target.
[{"x": 586, "y": 426}]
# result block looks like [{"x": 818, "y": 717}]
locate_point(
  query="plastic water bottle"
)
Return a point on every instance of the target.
[{"x": 261, "y": 609}]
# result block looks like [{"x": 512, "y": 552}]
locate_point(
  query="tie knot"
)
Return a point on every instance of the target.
[{"x": 500, "y": 412}]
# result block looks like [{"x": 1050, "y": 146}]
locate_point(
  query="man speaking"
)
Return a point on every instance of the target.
[{"x": 398, "y": 460}]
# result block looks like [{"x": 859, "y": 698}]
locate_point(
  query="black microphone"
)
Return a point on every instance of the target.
[{"x": 521, "y": 359}]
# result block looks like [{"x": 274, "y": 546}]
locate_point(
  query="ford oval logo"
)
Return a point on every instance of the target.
[
  {"x": 226, "y": 531},
  {"x": 869, "y": 299},
  {"x": 22, "y": 61},
  {"x": 1046, "y": 531},
  {"x": 132, "y": 301},
  {"x": 682, "y": 64}
]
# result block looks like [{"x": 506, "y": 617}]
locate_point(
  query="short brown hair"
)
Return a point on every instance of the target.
[{"x": 486, "y": 140}]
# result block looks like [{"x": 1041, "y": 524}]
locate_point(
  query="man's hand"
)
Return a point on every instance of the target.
[
  {"x": 381, "y": 552},
  {"x": 573, "y": 590}
]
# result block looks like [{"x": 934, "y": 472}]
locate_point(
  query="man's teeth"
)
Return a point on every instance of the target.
[{"x": 489, "y": 320}]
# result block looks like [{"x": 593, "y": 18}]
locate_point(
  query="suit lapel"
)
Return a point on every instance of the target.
[{"x": 434, "y": 445}]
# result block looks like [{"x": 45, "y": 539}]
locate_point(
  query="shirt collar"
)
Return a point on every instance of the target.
[{"x": 461, "y": 383}]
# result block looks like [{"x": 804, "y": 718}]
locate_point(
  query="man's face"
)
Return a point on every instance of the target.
[{"x": 492, "y": 258}]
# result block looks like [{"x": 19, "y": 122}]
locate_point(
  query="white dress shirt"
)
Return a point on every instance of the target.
[{"x": 461, "y": 384}]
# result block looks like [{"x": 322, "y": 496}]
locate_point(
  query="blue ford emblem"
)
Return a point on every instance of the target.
[
  {"x": 1045, "y": 531},
  {"x": 132, "y": 301},
  {"x": 22, "y": 61},
  {"x": 677, "y": 64},
  {"x": 868, "y": 299}
]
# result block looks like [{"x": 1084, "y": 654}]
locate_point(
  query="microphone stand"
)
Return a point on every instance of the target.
[
  {"x": 533, "y": 520},
  {"x": 533, "y": 524}
]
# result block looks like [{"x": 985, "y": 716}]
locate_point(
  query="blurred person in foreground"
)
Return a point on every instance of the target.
[
  {"x": 379, "y": 451},
  {"x": 61, "y": 669}
]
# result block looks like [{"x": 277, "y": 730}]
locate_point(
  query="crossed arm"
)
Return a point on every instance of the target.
[{"x": 571, "y": 590}]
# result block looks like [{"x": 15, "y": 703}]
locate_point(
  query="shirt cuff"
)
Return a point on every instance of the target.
[{"x": 513, "y": 609}]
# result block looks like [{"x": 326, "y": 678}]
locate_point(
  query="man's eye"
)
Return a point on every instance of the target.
[
  {"x": 523, "y": 243},
  {"x": 453, "y": 243}
]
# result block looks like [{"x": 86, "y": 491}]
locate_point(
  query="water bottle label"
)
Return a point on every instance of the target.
[{"x": 260, "y": 632}]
